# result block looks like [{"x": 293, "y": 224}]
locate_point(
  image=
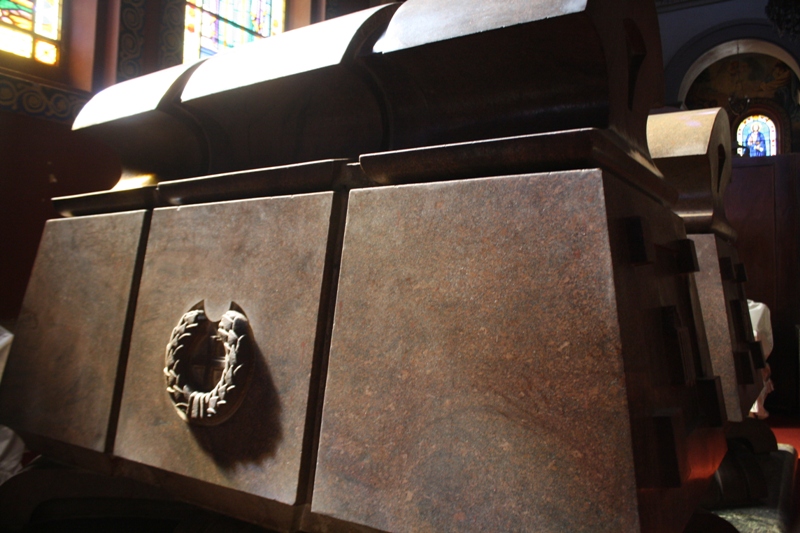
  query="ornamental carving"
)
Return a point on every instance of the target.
[
  {"x": 37, "y": 100},
  {"x": 209, "y": 365}
]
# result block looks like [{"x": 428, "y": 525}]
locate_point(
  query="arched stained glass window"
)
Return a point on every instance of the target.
[
  {"x": 31, "y": 29},
  {"x": 757, "y": 137},
  {"x": 213, "y": 25}
]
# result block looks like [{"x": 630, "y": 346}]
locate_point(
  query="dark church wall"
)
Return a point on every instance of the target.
[
  {"x": 39, "y": 159},
  {"x": 40, "y": 156},
  {"x": 763, "y": 205},
  {"x": 337, "y": 8},
  {"x": 687, "y": 33}
]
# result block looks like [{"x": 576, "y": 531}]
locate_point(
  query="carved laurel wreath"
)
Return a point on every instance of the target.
[{"x": 195, "y": 332}]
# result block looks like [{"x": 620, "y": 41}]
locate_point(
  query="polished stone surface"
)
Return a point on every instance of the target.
[
  {"x": 60, "y": 377},
  {"x": 675, "y": 405},
  {"x": 721, "y": 342},
  {"x": 693, "y": 150},
  {"x": 544, "y": 152},
  {"x": 476, "y": 377},
  {"x": 267, "y": 256},
  {"x": 748, "y": 354}
]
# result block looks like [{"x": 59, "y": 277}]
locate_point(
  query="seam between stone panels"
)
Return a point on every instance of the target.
[
  {"x": 127, "y": 333},
  {"x": 322, "y": 345}
]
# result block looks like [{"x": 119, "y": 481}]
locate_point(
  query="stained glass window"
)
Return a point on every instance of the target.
[
  {"x": 31, "y": 29},
  {"x": 757, "y": 137},
  {"x": 214, "y": 25}
]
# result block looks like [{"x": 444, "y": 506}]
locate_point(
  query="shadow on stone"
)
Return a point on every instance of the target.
[{"x": 254, "y": 431}]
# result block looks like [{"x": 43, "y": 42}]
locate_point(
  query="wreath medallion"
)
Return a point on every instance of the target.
[{"x": 209, "y": 365}]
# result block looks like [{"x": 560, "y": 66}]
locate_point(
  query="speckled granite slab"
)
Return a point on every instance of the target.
[
  {"x": 730, "y": 353},
  {"x": 476, "y": 379},
  {"x": 61, "y": 374},
  {"x": 509, "y": 354},
  {"x": 715, "y": 319},
  {"x": 267, "y": 256}
]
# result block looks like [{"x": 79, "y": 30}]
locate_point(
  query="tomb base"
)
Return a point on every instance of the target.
[{"x": 516, "y": 353}]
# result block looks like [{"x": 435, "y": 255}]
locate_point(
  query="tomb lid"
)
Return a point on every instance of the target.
[
  {"x": 693, "y": 151},
  {"x": 142, "y": 121},
  {"x": 322, "y": 92},
  {"x": 132, "y": 97},
  {"x": 462, "y": 70},
  {"x": 301, "y": 50},
  {"x": 422, "y": 22},
  {"x": 686, "y": 133}
]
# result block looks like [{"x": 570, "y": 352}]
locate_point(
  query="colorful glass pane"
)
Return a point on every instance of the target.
[
  {"x": 20, "y": 20},
  {"x": 214, "y": 25},
  {"x": 191, "y": 34},
  {"x": 757, "y": 137},
  {"x": 45, "y": 52},
  {"x": 48, "y": 19},
  {"x": 15, "y": 42},
  {"x": 18, "y": 14}
]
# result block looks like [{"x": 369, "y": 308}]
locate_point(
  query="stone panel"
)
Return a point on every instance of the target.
[
  {"x": 476, "y": 378},
  {"x": 267, "y": 257},
  {"x": 60, "y": 377}
]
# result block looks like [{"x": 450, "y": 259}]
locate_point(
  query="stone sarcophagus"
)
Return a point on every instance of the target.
[
  {"x": 412, "y": 269},
  {"x": 692, "y": 149}
]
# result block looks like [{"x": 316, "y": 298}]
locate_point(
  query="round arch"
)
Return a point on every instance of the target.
[
  {"x": 732, "y": 48},
  {"x": 676, "y": 70}
]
